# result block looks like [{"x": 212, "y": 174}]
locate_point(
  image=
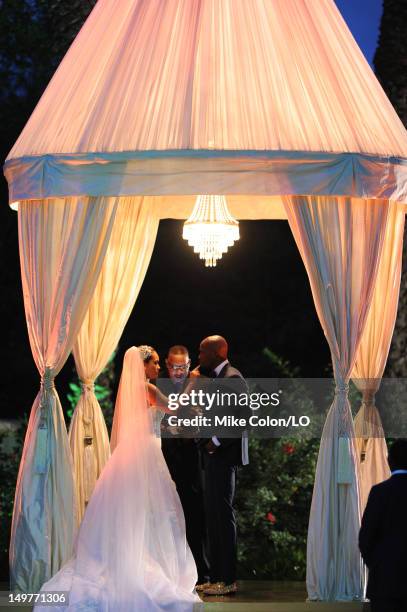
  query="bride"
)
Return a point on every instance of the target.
[{"x": 131, "y": 553}]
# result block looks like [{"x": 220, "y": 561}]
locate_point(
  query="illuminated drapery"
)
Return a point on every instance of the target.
[
  {"x": 124, "y": 267},
  {"x": 340, "y": 242},
  {"x": 372, "y": 356},
  {"x": 62, "y": 246}
]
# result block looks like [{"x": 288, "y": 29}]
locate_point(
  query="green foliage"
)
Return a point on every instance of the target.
[
  {"x": 282, "y": 366},
  {"x": 273, "y": 498},
  {"x": 273, "y": 501},
  {"x": 103, "y": 391},
  {"x": 11, "y": 446}
]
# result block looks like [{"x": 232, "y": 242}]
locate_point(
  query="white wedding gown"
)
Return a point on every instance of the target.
[{"x": 131, "y": 553}]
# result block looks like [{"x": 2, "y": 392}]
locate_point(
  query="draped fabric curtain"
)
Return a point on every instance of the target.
[
  {"x": 340, "y": 241},
  {"x": 62, "y": 245},
  {"x": 124, "y": 268},
  {"x": 372, "y": 355}
]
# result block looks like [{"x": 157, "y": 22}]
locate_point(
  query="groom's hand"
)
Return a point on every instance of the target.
[{"x": 195, "y": 373}]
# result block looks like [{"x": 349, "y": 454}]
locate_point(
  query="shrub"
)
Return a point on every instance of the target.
[
  {"x": 274, "y": 495},
  {"x": 9, "y": 464},
  {"x": 273, "y": 500}
]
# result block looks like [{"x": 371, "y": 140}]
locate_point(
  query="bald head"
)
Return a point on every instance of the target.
[
  {"x": 212, "y": 351},
  {"x": 218, "y": 345}
]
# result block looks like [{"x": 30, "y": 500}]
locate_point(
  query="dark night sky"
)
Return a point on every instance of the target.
[
  {"x": 363, "y": 19},
  {"x": 258, "y": 295}
]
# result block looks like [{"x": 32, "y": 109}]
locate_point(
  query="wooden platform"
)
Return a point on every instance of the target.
[{"x": 256, "y": 596}]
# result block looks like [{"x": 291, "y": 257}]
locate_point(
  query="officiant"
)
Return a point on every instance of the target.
[{"x": 181, "y": 456}]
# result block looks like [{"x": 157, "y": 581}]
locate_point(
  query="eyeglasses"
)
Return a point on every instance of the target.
[{"x": 179, "y": 368}]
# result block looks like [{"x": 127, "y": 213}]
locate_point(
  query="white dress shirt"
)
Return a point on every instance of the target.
[
  {"x": 245, "y": 441},
  {"x": 220, "y": 367}
]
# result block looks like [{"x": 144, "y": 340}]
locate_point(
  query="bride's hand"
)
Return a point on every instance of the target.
[{"x": 157, "y": 400}]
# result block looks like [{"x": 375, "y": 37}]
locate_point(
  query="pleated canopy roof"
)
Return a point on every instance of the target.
[{"x": 248, "y": 98}]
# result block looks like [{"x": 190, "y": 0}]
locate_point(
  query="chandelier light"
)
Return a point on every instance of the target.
[{"x": 211, "y": 229}]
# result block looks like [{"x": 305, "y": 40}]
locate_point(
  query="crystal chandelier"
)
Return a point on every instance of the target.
[{"x": 210, "y": 229}]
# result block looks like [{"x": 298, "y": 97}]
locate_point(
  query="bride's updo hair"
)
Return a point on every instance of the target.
[{"x": 146, "y": 352}]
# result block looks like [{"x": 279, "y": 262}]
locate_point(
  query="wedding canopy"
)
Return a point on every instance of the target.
[{"x": 269, "y": 102}]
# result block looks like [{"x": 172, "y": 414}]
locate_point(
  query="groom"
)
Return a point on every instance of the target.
[{"x": 220, "y": 459}]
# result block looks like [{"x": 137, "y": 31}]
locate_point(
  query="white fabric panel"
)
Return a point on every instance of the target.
[
  {"x": 124, "y": 267},
  {"x": 89, "y": 442},
  {"x": 278, "y": 75},
  {"x": 372, "y": 355},
  {"x": 340, "y": 241},
  {"x": 250, "y": 207},
  {"x": 370, "y": 439},
  {"x": 62, "y": 246}
]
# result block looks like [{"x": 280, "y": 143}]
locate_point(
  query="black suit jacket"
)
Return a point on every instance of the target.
[
  {"x": 230, "y": 449},
  {"x": 383, "y": 539},
  {"x": 170, "y": 444}
]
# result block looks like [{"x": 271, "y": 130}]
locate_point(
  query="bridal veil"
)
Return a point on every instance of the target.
[{"x": 131, "y": 553}]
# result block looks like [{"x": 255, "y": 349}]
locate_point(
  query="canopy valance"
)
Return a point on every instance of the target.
[{"x": 189, "y": 172}]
